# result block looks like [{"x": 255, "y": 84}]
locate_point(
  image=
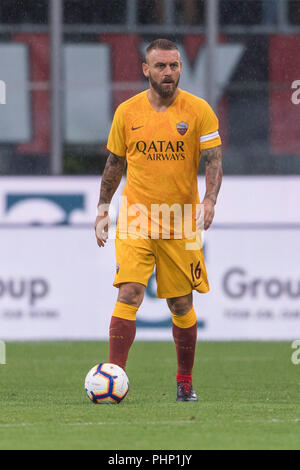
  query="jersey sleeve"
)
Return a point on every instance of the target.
[
  {"x": 209, "y": 133},
  {"x": 116, "y": 140}
]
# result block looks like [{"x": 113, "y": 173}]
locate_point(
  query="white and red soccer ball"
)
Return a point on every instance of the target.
[{"x": 106, "y": 383}]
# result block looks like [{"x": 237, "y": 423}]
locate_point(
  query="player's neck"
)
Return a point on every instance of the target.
[{"x": 158, "y": 103}]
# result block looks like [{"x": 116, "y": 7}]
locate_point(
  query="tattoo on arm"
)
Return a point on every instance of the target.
[
  {"x": 213, "y": 172},
  {"x": 111, "y": 177}
]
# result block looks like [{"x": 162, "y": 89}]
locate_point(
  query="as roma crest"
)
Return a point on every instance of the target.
[{"x": 182, "y": 127}]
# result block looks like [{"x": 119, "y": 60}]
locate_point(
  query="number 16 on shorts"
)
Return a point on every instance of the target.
[{"x": 195, "y": 271}]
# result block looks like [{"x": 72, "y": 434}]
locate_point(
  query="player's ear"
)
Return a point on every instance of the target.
[{"x": 145, "y": 67}]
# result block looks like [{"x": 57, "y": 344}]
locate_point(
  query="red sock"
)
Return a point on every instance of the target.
[
  {"x": 121, "y": 336},
  {"x": 185, "y": 341}
]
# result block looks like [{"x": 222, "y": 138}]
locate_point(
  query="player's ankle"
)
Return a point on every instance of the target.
[{"x": 183, "y": 378}]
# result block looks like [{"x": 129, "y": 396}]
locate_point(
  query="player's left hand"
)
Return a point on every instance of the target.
[
  {"x": 102, "y": 224},
  {"x": 205, "y": 214},
  {"x": 209, "y": 212}
]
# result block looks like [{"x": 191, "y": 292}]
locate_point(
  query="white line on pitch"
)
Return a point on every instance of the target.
[{"x": 98, "y": 423}]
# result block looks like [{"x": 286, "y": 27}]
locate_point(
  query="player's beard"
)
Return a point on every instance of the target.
[{"x": 164, "y": 91}]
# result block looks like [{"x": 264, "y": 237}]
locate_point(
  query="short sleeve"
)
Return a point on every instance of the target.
[
  {"x": 209, "y": 134},
  {"x": 116, "y": 140}
]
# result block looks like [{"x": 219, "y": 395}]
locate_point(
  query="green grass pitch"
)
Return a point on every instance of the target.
[{"x": 249, "y": 398}]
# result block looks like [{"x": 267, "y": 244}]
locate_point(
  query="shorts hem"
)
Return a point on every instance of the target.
[
  {"x": 117, "y": 284},
  {"x": 180, "y": 294}
]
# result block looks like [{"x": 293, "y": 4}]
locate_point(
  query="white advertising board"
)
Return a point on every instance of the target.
[
  {"x": 56, "y": 283},
  {"x": 255, "y": 284}
]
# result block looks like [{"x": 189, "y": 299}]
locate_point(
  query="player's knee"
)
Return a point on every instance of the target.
[
  {"x": 180, "y": 305},
  {"x": 131, "y": 293}
]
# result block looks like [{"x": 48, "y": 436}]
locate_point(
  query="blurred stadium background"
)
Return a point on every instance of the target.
[{"x": 66, "y": 65}]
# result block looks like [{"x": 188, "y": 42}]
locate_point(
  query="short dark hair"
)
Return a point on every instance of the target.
[{"x": 163, "y": 44}]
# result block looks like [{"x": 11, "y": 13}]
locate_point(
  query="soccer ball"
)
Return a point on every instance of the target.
[{"x": 106, "y": 383}]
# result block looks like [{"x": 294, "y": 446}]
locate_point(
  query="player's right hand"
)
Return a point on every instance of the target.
[{"x": 102, "y": 224}]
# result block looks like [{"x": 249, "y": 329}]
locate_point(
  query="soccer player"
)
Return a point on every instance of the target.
[{"x": 161, "y": 133}]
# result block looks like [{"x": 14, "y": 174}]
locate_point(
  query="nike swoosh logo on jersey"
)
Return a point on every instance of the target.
[
  {"x": 135, "y": 128},
  {"x": 197, "y": 285}
]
